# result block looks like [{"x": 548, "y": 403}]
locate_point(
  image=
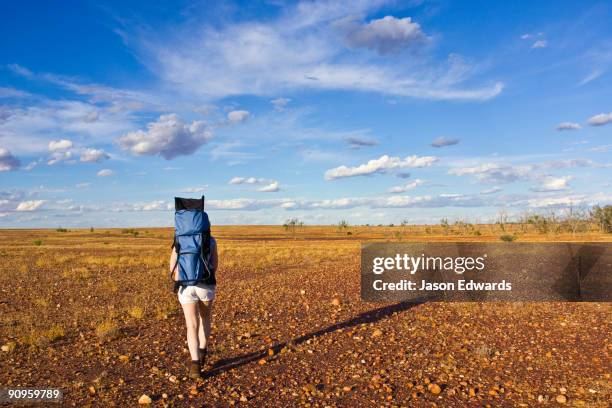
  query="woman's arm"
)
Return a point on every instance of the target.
[{"x": 173, "y": 259}]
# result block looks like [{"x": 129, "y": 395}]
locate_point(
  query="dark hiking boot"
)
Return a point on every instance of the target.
[
  {"x": 194, "y": 370},
  {"x": 203, "y": 355}
]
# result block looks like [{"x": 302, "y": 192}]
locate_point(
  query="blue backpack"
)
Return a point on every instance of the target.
[{"x": 192, "y": 243}]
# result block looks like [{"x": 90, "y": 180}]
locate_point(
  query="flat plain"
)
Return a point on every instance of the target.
[{"x": 92, "y": 312}]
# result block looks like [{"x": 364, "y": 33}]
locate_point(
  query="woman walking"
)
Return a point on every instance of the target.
[{"x": 197, "y": 302}]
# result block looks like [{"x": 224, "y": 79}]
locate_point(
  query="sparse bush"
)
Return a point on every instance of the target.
[
  {"x": 37, "y": 242},
  {"x": 343, "y": 225},
  {"x": 508, "y": 237},
  {"x": 136, "y": 312},
  {"x": 42, "y": 338},
  {"x": 602, "y": 216},
  {"x": 445, "y": 225},
  {"x": 60, "y": 229},
  {"x": 91, "y": 229},
  {"x": 107, "y": 330}
]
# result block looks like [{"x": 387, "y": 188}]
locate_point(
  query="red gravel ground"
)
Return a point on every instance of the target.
[{"x": 289, "y": 330}]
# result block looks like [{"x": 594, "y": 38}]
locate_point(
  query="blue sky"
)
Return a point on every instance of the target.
[{"x": 373, "y": 111}]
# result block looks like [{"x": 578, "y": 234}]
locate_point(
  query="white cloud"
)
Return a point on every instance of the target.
[
  {"x": 168, "y": 136},
  {"x": 494, "y": 172},
  {"x": 82, "y": 185},
  {"x": 380, "y": 165},
  {"x": 238, "y": 116},
  {"x": 296, "y": 50},
  {"x": 59, "y": 156},
  {"x": 405, "y": 187},
  {"x": 550, "y": 183},
  {"x": 568, "y": 126},
  {"x": 600, "y": 119},
  {"x": 384, "y": 35},
  {"x": 444, "y": 141},
  {"x": 247, "y": 180},
  {"x": 30, "y": 205},
  {"x": 106, "y": 173},
  {"x": 194, "y": 189},
  {"x": 59, "y": 145},
  {"x": 280, "y": 103},
  {"x": 12, "y": 93},
  {"x": 93, "y": 155},
  {"x": 491, "y": 190},
  {"x": 540, "y": 44},
  {"x": 270, "y": 188},
  {"x": 8, "y": 161}
]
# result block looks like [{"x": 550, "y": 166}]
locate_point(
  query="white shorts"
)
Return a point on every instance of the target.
[{"x": 192, "y": 294}]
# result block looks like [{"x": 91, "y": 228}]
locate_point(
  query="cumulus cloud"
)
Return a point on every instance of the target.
[
  {"x": 270, "y": 188},
  {"x": 356, "y": 142},
  {"x": 169, "y": 137},
  {"x": 32, "y": 205},
  {"x": 106, "y": 173},
  {"x": 59, "y": 145},
  {"x": 568, "y": 126},
  {"x": 380, "y": 165},
  {"x": 600, "y": 119},
  {"x": 406, "y": 187},
  {"x": 93, "y": 155},
  {"x": 238, "y": 116},
  {"x": 59, "y": 156},
  {"x": 385, "y": 35},
  {"x": 444, "y": 141},
  {"x": 550, "y": 183},
  {"x": 8, "y": 161}
]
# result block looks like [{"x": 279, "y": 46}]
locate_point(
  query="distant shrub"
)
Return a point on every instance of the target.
[
  {"x": 60, "y": 229},
  {"x": 136, "y": 312},
  {"x": 107, "y": 330},
  {"x": 37, "y": 242},
  {"x": 477, "y": 233},
  {"x": 91, "y": 229},
  {"x": 602, "y": 216},
  {"x": 508, "y": 237}
]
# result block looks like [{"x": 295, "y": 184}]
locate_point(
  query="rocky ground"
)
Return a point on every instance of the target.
[{"x": 291, "y": 331}]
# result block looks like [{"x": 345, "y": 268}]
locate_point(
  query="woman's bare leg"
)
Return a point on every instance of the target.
[
  {"x": 192, "y": 321},
  {"x": 205, "y": 319}
]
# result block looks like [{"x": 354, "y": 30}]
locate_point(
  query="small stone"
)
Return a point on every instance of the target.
[
  {"x": 270, "y": 352},
  {"x": 173, "y": 379},
  {"x": 563, "y": 390},
  {"x": 164, "y": 395},
  {"x": 561, "y": 399},
  {"x": 9, "y": 347},
  {"x": 346, "y": 388},
  {"x": 243, "y": 399},
  {"x": 377, "y": 333},
  {"x": 335, "y": 302},
  {"x": 434, "y": 388},
  {"x": 144, "y": 399},
  {"x": 123, "y": 358},
  {"x": 92, "y": 390},
  {"x": 302, "y": 292},
  {"x": 262, "y": 361}
]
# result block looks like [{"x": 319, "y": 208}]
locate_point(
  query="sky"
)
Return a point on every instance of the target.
[{"x": 373, "y": 112}]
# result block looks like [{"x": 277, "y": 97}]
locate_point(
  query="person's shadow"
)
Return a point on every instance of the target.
[{"x": 365, "y": 317}]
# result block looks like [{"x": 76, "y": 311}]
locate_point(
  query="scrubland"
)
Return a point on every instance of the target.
[{"x": 92, "y": 312}]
